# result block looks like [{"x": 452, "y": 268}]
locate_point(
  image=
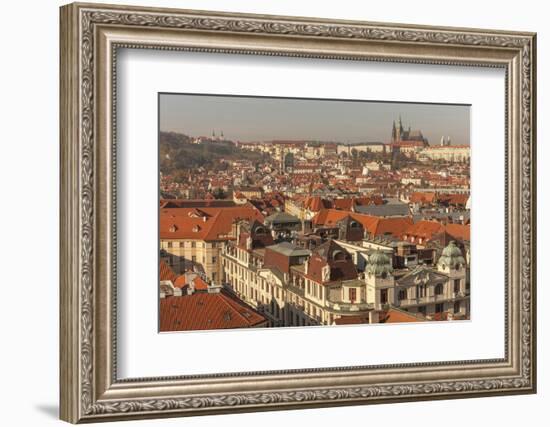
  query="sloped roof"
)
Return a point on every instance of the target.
[
  {"x": 459, "y": 231},
  {"x": 422, "y": 197},
  {"x": 204, "y": 311},
  {"x": 281, "y": 217},
  {"x": 288, "y": 249},
  {"x": 316, "y": 203},
  {"x": 424, "y": 229},
  {"x": 166, "y": 273},
  {"x": 341, "y": 268},
  {"x": 374, "y": 225},
  {"x": 394, "y": 315},
  {"x": 390, "y": 209},
  {"x": 176, "y": 223}
]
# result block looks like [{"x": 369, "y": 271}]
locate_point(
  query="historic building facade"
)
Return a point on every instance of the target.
[{"x": 293, "y": 286}]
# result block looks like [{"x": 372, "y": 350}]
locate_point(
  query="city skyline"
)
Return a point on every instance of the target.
[{"x": 265, "y": 118}]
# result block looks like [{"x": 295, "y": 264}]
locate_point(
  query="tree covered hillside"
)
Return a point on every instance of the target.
[{"x": 177, "y": 153}]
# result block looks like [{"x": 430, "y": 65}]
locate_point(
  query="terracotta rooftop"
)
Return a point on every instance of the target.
[
  {"x": 376, "y": 226},
  {"x": 166, "y": 273},
  {"x": 215, "y": 224},
  {"x": 424, "y": 229},
  {"x": 203, "y": 311},
  {"x": 394, "y": 315}
]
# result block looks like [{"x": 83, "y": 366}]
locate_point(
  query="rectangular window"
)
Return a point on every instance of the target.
[
  {"x": 438, "y": 308},
  {"x": 457, "y": 286},
  {"x": 169, "y": 244},
  {"x": 214, "y": 260},
  {"x": 352, "y": 294}
]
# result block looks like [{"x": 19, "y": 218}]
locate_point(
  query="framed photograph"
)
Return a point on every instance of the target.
[{"x": 265, "y": 212}]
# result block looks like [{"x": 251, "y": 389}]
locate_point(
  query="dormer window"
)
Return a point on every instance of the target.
[
  {"x": 196, "y": 229},
  {"x": 173, "y": 228}
]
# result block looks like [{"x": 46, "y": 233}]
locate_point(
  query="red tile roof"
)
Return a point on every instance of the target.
[
  {"x": 458, "y": 231},
  {"x": 428, "y": 229},
  {"x": 424, "y": 229},
  {"x": 419, "y": 197},
  {"x": 166, "y": 273},
  {"x": 204, "y": 311},
  {"x": 315, "y": 204},
  {"x": 376, "y": 226},
  {"x": 398, "y": 316},
  {"x": 183, "y": 223}
]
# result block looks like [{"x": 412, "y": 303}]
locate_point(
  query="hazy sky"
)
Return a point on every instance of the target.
[{"x": 257, "y": 118}]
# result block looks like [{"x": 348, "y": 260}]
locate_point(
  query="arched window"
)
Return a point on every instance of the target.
[
  {"x": 354, "y": 224},
  {"x": 338, "y": 256}
]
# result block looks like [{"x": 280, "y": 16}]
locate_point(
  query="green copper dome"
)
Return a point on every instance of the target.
[
  {"x": 451, "y": 256},
  {"x": 379, "y": 263}
]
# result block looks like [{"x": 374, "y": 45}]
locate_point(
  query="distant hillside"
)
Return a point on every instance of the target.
[{"x": 177, "y": 153}]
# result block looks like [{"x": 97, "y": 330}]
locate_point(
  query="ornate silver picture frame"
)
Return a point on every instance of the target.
[{"x": 91, "y": 36}]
